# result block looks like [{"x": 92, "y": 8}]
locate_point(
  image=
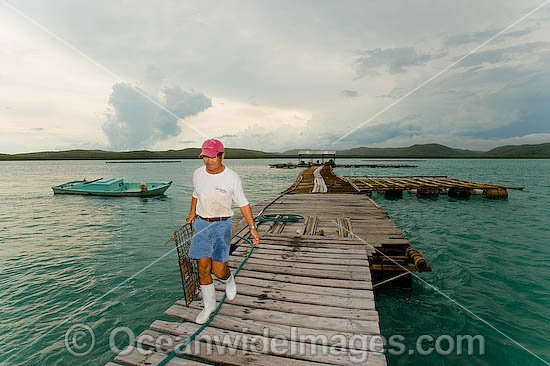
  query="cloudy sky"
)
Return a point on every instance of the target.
[{"x": 271, "y": 75}]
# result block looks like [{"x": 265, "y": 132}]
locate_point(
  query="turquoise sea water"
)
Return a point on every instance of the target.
[{"x": 66, "y": 260}]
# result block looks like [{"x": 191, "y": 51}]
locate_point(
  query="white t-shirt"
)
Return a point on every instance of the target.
[{"x": 215, "y": 192}]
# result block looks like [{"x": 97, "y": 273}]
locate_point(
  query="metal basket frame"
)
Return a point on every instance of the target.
[{"x": 188, "y": 266}]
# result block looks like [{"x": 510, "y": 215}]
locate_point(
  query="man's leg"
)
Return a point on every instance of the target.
[
  {"x": 204, "y": 266},
  {"x": 221, "y": 271}
]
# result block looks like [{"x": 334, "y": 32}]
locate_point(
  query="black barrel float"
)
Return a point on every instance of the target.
[
  {"x": 458, "y": 192},
  {"x": 427, "y": 192}
]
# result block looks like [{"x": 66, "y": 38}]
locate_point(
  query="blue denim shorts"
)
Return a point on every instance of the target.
[{"x": 211, "y": 239}]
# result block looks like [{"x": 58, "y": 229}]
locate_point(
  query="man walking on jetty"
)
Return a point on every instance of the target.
[{"x": 215, "y": 188}]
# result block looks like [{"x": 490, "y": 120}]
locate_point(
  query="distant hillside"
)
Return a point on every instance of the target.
[
  {"x": 425, "y": 150},
  {"x": 190, "y": 153},
  {"x": 414, "y": 151},
  {"x": 441, "y": 151},
  {"x": 513, "y": 151}
]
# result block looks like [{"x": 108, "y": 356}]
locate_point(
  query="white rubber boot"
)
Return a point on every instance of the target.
[
  {"x": 230, "y": 287},
  {"x": 209, "y": 300}
]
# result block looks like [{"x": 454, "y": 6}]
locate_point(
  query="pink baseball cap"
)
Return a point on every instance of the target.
[{"x": 211, "y": 148}]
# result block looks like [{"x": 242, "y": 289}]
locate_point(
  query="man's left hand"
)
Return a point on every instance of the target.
[{"x": 255, "y": 236}]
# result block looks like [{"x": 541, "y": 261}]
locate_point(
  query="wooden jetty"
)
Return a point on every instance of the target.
[{"x": 309, "y": 282}]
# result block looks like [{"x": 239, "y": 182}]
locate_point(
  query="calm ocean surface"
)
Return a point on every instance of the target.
[{"x": 65, "y": 260}]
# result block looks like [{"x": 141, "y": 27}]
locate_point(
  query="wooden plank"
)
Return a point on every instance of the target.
[
  {"x": 224, "y": 355},
  {"x": 358, "y": 255},
  {"x": 112, "y": 364},
  {"x": 328, "y": 244},
  {"x": 319, "y": 289},
  {"x": 289, "y": 245},
  {"x": 258, "y": 327},
  {"x": 332, "y": 209},
  {"x": 293, "y": 296},
  {"x": 132, "y": 356},
  {"x": 298, "y": 258},
  {"x": 321, "y": 274},
  {"x": 305, "y": 280},
  {"x": 311, "y": 239},
  {"x": 370, "y": 326},
  {"x": 268, "y": 248},
  {"x": 305, "y": 264},
  {"x": 262, "y": 302},
  {"x": 384, "y": 230},
  {"x": 266, "y": 345}
]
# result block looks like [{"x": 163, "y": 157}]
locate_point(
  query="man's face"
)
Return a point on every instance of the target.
[{"x": 212, "y": 163}]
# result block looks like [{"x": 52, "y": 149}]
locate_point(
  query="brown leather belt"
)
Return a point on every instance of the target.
[{"x": 212, "y": 219}]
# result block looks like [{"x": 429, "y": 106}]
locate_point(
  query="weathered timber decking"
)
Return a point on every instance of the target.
[
  {"x": 294, "y": 166},
  {"x": 309, "y": 282},
  {"x": 431, "y": 185}
]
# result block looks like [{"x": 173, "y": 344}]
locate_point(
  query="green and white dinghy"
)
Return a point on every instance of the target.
[{"x": 112, "y": 187}]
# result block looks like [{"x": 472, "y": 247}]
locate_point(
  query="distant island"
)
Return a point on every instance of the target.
[{"x": 415, "y": 151}]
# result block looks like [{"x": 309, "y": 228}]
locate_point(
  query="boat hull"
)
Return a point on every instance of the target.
[
  {"x": 152, "y": 193},
  {"x": 112, "y": 187}
]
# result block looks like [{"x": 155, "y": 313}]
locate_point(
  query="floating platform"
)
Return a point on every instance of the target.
[
  {"x": 375, "y": 166},
  {"x": 143, "y": 162},
  {"x": 283, "y": 165},
  {"x": 309, "y": 282},
  {"x": 428, "y": 186},
  {"x": 393, "y": 160},
  {"x": 294, "y": 166}
]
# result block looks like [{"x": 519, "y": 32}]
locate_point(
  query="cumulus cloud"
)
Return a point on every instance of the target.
[{"x": 132, "y": 121}]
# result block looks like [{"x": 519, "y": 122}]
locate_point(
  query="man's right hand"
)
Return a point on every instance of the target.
[{"x": 191, "y": 218}]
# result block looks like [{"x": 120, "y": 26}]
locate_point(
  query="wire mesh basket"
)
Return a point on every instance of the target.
[{"x": 188, "y": 266}]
